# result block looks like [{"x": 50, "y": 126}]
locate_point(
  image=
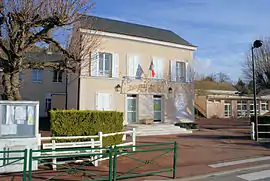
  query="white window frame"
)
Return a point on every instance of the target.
[
  {"x": 251, "y": 111},
  {"x": 227, "y": 113},
  {"x": 57, "y": 72},
  {"x": 179, "y": 78},
  {"x": 35, "y": 73},
  {"x": 129, "y": 96},
  {"x": 242, "y": 112},
  {"x": 103, "y": 73},
  {"x": 264, "y": 104}
]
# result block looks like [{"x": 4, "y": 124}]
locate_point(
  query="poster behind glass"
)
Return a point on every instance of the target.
[{"x": 17, "y": 120}]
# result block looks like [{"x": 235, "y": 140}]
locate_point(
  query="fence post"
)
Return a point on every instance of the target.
[
  {"x": 174, "y": 159},
  {"x": 39, "y": 141},
  {"x": 252, "y": 131},
  {"x": 24, "y": 164},
  {"x": 54, "y": 159},
  {"x": 114, "y": 162},
  {"x": 133, "y": 139},
  {"x": 30, "y": 165},
  {"x": 93, "y": 152},
  {"x": 100, "y": 134},
  {"x": 110, "y": 164}
]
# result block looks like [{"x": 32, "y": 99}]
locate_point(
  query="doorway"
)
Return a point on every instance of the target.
[
  {"x": 131, "y": 107},
  {"x": 157, "y": 108}
]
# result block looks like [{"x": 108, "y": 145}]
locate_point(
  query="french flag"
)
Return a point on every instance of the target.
[{"x": 151, "y": 68}]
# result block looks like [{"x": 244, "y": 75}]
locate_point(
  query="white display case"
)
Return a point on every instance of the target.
[{"x": 19, "y": 130}]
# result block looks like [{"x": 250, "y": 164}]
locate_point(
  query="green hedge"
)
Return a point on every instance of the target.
[
  {"x": 85, "y": 123},
  {"x": 265, "y": 119}
]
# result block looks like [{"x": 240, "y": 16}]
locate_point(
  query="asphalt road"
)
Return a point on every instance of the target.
[{"x": 253, "y": 174}]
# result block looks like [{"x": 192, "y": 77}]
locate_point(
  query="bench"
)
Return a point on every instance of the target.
[{"x": 85, "y": 144}]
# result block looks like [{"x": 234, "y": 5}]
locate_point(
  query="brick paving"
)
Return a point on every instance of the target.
[{"x": 218, "y": 140}]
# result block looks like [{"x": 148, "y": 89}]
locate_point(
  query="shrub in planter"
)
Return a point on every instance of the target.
[{"x": 86, "y": 122}]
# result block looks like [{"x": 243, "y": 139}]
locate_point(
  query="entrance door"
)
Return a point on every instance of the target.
[
  {"x": 131, "y": 108},
  {"x": 157, "y": 108}
]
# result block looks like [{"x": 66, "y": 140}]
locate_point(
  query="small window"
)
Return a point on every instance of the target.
[
  {"x": 37, "y": 75},
  {"x": 57, "y": 76},
  {"x": 105, "y": 64},
  {"x": 20, "y": 76}
]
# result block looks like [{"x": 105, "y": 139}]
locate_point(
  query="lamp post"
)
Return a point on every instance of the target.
[{"x": 256, "y": 44}]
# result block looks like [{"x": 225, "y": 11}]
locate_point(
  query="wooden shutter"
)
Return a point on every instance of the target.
[
  {"x": 173, "y": 70},
  {"x": 130, "y": 66},
  {"x": 188, "y": 72},
  {"x": 94, "y": 68},
  {"x": 155, "y": 62},
  {"x": 136, "y": 63},
  {"x": 115, "y": 65},
  {"x": 161, "y": 68}
]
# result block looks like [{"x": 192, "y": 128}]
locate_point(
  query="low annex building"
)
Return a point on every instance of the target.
[{"x": 222, "y": 100}]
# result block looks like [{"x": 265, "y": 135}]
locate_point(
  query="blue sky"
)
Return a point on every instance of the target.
[{"x": 223, "y": 30}]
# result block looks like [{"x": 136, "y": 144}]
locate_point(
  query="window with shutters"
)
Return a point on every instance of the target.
[
  {"x": 103, "y": 101},
  {"x": 105, "y": 64},
  {"x": 180, "y": 72},
  {"x": 57, "y": 76}
]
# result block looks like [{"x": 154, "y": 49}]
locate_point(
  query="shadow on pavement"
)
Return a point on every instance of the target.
[{"x": 218, "y": 137}]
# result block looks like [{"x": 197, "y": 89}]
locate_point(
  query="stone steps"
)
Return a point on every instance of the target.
[{"x": 158, "y": 129}]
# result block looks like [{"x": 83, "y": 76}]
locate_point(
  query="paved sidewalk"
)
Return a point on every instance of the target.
[{"x": 217, "y": 141}]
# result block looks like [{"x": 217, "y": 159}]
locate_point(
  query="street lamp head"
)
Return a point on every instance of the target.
[{"x": 257, "y": 43}]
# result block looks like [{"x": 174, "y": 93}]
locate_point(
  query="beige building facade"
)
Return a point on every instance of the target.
[{"x": 118, "y": 78}]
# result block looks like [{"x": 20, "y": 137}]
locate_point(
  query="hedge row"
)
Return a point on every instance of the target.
[{"x": 85, "y": 123}]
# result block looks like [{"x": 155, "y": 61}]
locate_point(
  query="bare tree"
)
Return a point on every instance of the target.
[
  {"x": 262, "y": 65},
  {"x": 28, "y": 22},
  {"x": 222, "y": 77}
]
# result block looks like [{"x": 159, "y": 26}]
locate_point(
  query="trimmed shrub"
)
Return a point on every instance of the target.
[
  {"x": 86, "y": 123},
  {"x": 262, "y": 119}
]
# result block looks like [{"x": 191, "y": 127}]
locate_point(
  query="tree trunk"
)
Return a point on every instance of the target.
[{"x": 11, "y": 85}]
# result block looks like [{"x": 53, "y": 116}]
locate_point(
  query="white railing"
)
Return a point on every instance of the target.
[{"x": 92, "y": 143}]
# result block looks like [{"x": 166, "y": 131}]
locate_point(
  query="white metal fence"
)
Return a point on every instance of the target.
[{"x": 95, "y": 141}]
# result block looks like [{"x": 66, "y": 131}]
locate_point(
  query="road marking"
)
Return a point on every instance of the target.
[
  {"x": 225, "y": 164},
  {"x": 222, "y": 173},
  {"x": 256, "y": 175}
]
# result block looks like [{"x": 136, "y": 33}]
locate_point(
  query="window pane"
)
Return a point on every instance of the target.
[
  {"x": 34, "y": 75},
  {"x": 131, "y": 117},
  {"x": 60, "y": 75},
  {"x": 157, "y": 105},
  {"x": 101, "y": 62},
  {"x": 39, "y": 75},
  {"x": 108, "y": 63},
  {"x": 55, "y": 75}
]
